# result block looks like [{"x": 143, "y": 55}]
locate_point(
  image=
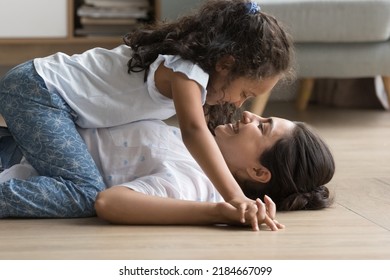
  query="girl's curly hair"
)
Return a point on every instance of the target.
[{"x": 260, "y": 46}]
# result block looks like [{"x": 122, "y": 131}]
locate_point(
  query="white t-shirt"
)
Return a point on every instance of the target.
[
  {"x": 147, "y": 156},
  {"x": 97, "y": 86}
]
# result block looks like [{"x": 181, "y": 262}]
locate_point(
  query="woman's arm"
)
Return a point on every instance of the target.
[{"x": 121, "y": 205}]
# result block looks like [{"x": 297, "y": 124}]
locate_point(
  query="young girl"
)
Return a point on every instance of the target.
[{"x": 227, "y": 52}]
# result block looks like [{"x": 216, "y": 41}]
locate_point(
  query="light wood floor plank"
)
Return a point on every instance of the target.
[{"x": 369, "y": 198}]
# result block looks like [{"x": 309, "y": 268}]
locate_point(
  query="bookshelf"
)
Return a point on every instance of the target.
[{"x": 17, "y": 50}]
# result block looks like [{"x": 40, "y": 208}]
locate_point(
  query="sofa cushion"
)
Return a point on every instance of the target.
[
  {"x": 343, "y": 60},
  {"x": 332, "y": 20}
]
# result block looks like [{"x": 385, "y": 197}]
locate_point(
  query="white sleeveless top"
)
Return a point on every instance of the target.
[{"x": 98, "y": 88}]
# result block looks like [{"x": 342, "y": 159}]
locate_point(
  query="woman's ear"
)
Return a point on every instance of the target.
[
  {"x": 225, "y": 64},
  {"x": 260, "y": 174}
]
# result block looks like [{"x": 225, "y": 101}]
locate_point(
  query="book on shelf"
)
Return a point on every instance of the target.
[
  {"x": 118, "y": 3},
  {"x": 111, "y": 17},
  {"x": 112, "y": 12},
  {"x": 107, "y": 21},
  {"x": 104, "y": 30}
]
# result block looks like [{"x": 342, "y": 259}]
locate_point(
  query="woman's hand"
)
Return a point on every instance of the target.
[{"x": 265, "y": 213}]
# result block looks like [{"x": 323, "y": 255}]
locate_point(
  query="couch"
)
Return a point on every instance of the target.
[{"x": 335, "y": 39}]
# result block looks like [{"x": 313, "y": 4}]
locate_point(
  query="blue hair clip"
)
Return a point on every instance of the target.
[{"x": 252, "y": 8}]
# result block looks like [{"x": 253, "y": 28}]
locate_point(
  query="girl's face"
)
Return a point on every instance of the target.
[
  {"x": 237, "y": 91},
  {"x": 243, "y": 143}
]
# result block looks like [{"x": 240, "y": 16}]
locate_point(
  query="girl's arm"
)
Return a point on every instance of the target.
[
  {"x": 121, "y": 205},
  {"x": 202, "y": 146}
]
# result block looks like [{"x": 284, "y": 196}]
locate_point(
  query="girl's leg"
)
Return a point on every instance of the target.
[
  {"x": 43, "y": 126},
  {"x": 10, "y": 153}
]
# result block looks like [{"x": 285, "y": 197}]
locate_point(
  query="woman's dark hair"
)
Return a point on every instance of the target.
[
  {"x": 301, "y": 164},
  {"x": 259, "y": 45}
]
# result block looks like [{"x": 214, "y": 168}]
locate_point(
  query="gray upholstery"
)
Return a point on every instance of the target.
[
  {"x": 333, "y": 20},
  {"x": 346, "y": 60},
  {"x": 337, "y": 38}
]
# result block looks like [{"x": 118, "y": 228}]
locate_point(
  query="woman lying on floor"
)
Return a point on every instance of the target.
[{"x": 154, "y": 180}]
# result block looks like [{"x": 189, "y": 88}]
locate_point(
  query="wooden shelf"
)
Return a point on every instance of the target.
[
  {"x": 17, "y": 50},
  {"x": 73, "y": 40}
]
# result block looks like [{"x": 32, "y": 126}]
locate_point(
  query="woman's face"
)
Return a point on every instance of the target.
[{"x": 243, "y": 143}]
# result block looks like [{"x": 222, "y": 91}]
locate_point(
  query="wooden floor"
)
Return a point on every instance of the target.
[{"x": 356, "y": 227}]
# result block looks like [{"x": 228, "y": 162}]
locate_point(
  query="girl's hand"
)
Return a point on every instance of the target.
[{"x": 247, "y": 209}]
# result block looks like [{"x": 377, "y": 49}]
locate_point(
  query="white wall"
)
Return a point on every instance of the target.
[{"x": 33, "y": 18}]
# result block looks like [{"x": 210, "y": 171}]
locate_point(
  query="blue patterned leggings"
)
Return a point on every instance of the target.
[{"x": 43, "y": 126}]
